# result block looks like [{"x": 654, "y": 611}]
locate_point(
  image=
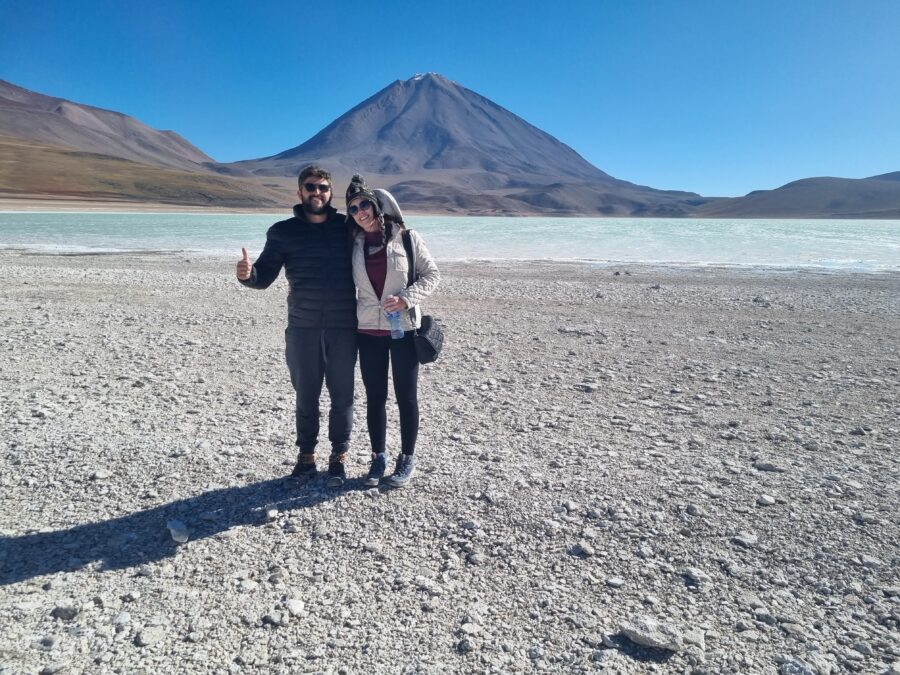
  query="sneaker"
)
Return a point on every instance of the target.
[
  {"x": 336, "y": 473},
  {"x": 305, "y": 468},
  {"x": 403, "y": 471},
  {"x": 376, "y": 469}
]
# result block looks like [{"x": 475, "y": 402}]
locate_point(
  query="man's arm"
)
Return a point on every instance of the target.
[{"x": 265, "y": 270}]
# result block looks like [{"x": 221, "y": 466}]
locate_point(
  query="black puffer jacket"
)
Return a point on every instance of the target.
[{"x": 317, "y": 264}]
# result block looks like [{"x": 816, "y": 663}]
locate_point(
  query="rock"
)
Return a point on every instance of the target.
[
  {"x": 695, "y": 510},
  {"x": 745, "y": 539},
  {"x": 615, "y": 582},
  {"x": 65, "y": 612},
  {"x": 464, "y": 646},
  {"x": 53, "y": 668},
  {"x": 275, "y": 619},
  {"x": 583, "y": 549},
  {"x": 695, "y": 576},
  {"x": 121, "y": 619},
  {"x": 761, "y": 465},
  {"x": 476, "y": 558},
  {"x": 150, "y": 636},
  {"x": 648, "y": 632},
  {"x": 295, "y": 607},
  {"x": 865, "y": 518},
  {"x": 178, "y": 531},
  {"x": 765, "y": 500}
]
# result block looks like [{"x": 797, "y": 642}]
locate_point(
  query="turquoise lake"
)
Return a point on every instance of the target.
[{"x": 860, "y": 245}]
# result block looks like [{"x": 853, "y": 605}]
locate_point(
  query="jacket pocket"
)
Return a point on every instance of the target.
[{"x": 399, "y": 262}]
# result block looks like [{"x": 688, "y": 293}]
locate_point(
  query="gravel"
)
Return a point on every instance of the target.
[{"x": 661, "y": 470}]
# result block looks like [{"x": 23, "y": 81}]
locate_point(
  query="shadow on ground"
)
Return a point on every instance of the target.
[{"x": 142, "y": 537}]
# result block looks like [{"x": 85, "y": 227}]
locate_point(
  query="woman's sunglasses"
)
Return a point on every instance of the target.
[{"x": 364, "y": 204}]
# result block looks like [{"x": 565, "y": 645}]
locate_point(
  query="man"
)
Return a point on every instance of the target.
[{"x": 314, "y": 249}]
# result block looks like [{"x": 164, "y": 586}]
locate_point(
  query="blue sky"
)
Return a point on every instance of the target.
[{"x": 714, "y": 97}]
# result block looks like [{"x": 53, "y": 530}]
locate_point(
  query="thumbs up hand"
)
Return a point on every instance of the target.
[{"x": 244, "y": 266}]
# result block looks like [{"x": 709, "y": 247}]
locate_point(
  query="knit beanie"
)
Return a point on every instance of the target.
[{"x": 358, "y": 188}]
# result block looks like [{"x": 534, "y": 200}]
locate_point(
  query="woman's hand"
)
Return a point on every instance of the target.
[{"x": 392, "y": 303}]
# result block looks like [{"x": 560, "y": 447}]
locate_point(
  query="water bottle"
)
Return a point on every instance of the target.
[{"x": 396, "y": 328}]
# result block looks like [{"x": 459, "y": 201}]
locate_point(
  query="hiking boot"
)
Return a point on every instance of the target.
[
  {"x": 403, "y": 471},
  {"x": 376, "y": 469},
  {"x": 336, "y": 473},
  {"x": 305, "y": 468}
]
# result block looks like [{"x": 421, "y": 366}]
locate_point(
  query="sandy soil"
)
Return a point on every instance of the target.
[{"x": 627, "y": 469}]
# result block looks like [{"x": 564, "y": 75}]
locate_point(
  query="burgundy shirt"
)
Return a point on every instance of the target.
[{"x": 376, "y": 268}]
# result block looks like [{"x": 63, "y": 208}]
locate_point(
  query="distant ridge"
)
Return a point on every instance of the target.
[
  {"x": 58, "y": 148},
  {"x": 56, "y": 121},
  {"x": 439, "y": 147},
  {"x": 876, "y": 197}
]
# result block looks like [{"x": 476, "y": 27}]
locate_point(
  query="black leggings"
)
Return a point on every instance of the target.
[{"x": 374, "y": 354}]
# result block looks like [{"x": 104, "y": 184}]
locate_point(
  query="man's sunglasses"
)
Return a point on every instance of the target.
[
  {"x": 364, "y": 204},
  {"x": 316, "y": 187}
]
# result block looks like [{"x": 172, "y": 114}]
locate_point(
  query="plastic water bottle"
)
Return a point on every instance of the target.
[{"x": 396, "y": 328}]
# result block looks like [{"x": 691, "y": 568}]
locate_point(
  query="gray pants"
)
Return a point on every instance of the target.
[{"x": 313, "y": 356}]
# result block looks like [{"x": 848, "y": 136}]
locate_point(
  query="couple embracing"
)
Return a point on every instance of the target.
[{"x": 351, "y": 279}]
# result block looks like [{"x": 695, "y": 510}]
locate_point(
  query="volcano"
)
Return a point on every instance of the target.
[{"x": 441, "y": 147}]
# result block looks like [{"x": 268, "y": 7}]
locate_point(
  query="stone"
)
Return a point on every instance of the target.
[
  {"x": 765, "y": 500},
  {"x": 762, "y": 465},
  {"x": 65, "y": 612},
  {"x": 745, "y": 539},
  {"x": 150, "y": 636},
  {"x": 178, "y": 531},
  {"x": 464, "y": 646},
  {"x": 295, "y": 607},
  {"x": 583, "y": 549},
  {"x": 695, "y": 577},
  {"x": 615, "y": 582},
  {"x": 648, "y": 632},
  {"x": 52, "y": 669}
]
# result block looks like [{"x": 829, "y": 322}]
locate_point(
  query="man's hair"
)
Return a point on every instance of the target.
[{"x": 315, "y": 172}]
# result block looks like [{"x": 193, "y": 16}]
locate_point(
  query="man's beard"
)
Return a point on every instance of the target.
[{"x": 315, "y": 210}]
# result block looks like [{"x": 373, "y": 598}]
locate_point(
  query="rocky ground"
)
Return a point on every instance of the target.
[{"x": 625, "y": 469}]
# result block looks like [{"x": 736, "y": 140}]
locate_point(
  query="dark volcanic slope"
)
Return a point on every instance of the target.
[
  {"x": 442, "y": 147},
  {"x": 874, "y": 197},
  {"x": 55, "y": 121}
]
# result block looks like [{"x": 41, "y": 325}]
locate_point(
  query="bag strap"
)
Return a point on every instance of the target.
[{"x": 411, "y": 274}]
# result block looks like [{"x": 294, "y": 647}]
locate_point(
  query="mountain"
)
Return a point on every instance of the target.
[
  {"x": 56, "y": 121},
  {"x": 443, "y": 147},
  {"x": 439, "y": 147},
  {"x": 54, "y": 147},
  {"x": 873, "y": 197},
  {"x": 31, "y": 170}
]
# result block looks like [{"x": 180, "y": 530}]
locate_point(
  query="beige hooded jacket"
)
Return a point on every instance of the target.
[{"x": 369, "y": 312}]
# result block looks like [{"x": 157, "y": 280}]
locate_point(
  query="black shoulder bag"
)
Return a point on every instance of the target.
[{"x": 429, "y": 337}]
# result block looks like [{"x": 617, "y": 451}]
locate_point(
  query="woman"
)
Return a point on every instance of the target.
[{"x": 380, "y": 271}]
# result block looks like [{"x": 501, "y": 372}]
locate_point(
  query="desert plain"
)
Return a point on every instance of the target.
[{"x": 621, "y": 469}]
